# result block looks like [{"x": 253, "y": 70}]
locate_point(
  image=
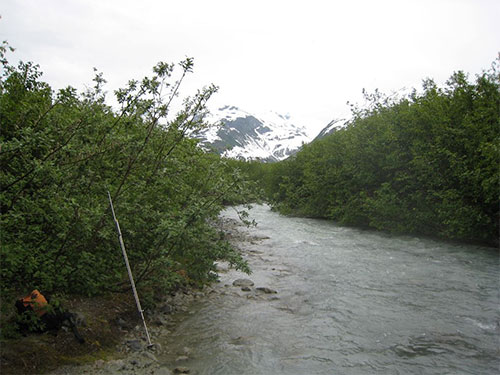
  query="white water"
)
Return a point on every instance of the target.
[{"x": 349, "y": 302}]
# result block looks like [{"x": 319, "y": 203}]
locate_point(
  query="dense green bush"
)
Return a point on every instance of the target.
[
  {"x": 60, "y": 154},
  {"x": 427, "y": 163}
]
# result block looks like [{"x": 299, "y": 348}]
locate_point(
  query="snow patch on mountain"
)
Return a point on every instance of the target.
[
  {"x": 242, "y": 135},
  {"x": 332, "y": 127}
]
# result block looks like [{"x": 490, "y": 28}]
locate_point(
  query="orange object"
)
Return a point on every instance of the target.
[{"x": 37, "y": 302}]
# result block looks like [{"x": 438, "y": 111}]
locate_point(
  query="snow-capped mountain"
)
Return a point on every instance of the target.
[
  {"x": 267, "y": 137},
  {"x": 332, "y": 127}
]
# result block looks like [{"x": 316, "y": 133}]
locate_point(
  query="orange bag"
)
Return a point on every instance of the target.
[{"x": 37, "y": 302}]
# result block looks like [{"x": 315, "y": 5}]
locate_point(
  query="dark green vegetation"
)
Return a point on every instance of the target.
[
  {"x": 426, "y": 164},
  {"x": 60, "y": 154}
]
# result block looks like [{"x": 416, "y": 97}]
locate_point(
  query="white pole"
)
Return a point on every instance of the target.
[{"x": 122, "y": 245}]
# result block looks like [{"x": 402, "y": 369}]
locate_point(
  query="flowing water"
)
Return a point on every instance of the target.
[{"x": 348, "y": 301}]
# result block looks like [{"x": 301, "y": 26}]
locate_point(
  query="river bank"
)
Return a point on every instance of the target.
[
  {"x": 324, "y": 299},
  {"x": 114, "y": 334}
]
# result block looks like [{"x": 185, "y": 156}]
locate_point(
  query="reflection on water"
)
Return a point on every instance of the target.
[{"x": 348, "y": 302}]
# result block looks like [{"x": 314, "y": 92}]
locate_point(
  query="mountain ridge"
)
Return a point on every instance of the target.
[{"x": 243, "y": 135}]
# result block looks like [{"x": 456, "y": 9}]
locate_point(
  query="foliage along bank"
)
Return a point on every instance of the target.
[
  {"x": 60, "y": 154},
  {"x": 425, "y": 164}
]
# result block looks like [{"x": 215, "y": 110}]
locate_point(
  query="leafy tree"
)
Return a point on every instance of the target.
[
  {"x": 61, "y": 152},
  {"x": 426, "y": 163}
]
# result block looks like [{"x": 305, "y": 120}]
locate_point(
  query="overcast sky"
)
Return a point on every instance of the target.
[{"x": 306, "y": 58}]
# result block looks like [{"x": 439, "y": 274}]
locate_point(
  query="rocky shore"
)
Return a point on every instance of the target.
[{"x": 132, "y": 354}]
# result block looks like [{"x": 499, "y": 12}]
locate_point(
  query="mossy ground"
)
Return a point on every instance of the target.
[{"x": 40, "y": 353}]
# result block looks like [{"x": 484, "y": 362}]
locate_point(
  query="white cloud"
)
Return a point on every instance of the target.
[{"x": 306, "y": 58}]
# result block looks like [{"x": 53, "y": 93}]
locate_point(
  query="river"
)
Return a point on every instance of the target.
[{"x": 348, "y": 301}]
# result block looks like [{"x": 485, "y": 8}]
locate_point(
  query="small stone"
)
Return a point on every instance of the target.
[
  {"x": 166, "y": 309},
  {"x": 162, "y": 371},
  {"x": 181, "y": 358},
  {"x": 246, "y": 289},
  {"x": 121, "y": 323},
  {"x": 243, "y": 282},
  {"x": 160, "y": 321},
  {"x": 150, "y": 356},
  {"x": 116, "y": 363},
  {"x": 266, "y": 290},
  {"x": 181, "y": 370},
  {"x": 156, "y": 347},
  {"x": 99, "y": 363},
  {"x": 79, "y": 319},
  {"x": 134, "y": 345}
]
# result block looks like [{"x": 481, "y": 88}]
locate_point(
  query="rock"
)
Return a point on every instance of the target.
[
  {"x": 150, "y": 356},
  {"x": 162, "y": 371},
  {"x": 79, "y": 319},
  {"x": 181, "y": 358},
  {"x": 117, "y": 363},
  {"x": 134, "y": 345},
  {"x": 156, "y": 347},
  {"x": 246, "y": 289},
  {"x": 99, "y": 363},
  {"x": 181, "y": 370},
  {"x": 266, "y": 290},
  {"x": 243, "y": 282},
  {"x": 166, "y": 309},
  {"x": 160, "y": 321},
  {"x": 240, "y": 340}
]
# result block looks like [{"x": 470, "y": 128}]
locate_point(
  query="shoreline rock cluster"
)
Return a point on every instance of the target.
[{"x": 132, "y": 354}]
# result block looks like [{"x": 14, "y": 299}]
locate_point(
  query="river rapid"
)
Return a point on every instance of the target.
[{"x": 348, "y": 301}]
